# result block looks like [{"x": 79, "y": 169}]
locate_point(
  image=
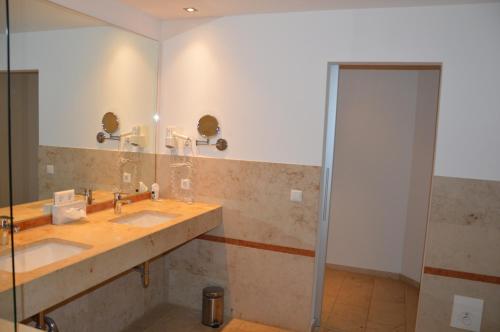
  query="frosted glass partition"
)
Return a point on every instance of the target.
[{"x": 7, "y": 300}]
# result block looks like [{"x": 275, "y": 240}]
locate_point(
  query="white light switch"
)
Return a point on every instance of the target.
[
  {"x": 467, "y": 313},
  {"x": 50, "y": 169},
  {"x": 296, "y": 195}
]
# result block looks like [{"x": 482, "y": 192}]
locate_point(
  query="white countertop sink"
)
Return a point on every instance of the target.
[
  {"x": 145, "y": 219},
  {"x": 32, "y": 256}
]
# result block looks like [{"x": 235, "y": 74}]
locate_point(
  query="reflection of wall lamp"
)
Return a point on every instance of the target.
[{"x": 172, "y": 137}]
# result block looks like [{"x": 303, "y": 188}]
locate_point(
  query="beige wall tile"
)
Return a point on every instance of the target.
[
  {"x": 464, "y": 227},
  {"x": 255, "y": 196},
  {"x": 463, "y": 235},
  {"x": 436, "y": 300},
  {"x": 262, "y": 286}
]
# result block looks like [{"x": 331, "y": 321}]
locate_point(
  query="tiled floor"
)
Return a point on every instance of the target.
[
  {"x": 352, "y": 302},
  {"x": 170, "y": 318},
  {"x": 362, "y": 303}
]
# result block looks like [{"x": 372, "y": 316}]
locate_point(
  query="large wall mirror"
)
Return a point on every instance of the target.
[{"x": 68, "y": 71}]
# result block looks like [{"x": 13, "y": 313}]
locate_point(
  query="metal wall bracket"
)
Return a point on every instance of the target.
[{"x": 101, "y": 137}]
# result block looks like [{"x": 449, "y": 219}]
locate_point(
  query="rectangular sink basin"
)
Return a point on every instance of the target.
[
  {"x": 32, "y": 256},
  {"x": 145, "y": 219}
]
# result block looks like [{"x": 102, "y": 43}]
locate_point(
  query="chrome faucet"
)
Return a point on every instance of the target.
[
  {"x": 88, "y": 196},
  {"x": 87, "y": 193},
  {"x": 118, "y": 202},
  {"x": 5, "y": 225}
]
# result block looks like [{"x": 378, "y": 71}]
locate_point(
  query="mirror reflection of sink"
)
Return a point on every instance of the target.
[
  {"x": 32, "y": 256},
  {"x": 145, "y": 219}
]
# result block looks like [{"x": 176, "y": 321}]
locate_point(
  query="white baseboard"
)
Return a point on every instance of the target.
[{"x": 375, "y": 273}]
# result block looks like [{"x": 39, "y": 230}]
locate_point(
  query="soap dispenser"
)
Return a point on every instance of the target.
[{"x": 155, "y": 191}]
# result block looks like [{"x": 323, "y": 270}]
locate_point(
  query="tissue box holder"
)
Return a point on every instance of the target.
[{"x": 68, "y": 212}]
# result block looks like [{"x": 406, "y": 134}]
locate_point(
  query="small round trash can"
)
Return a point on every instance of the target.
[{"x": 213, "y": 306}]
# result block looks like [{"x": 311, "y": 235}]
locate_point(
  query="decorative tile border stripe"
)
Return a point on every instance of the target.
[
  {"x": 97, "y": 207},
  {"x": 462, "y": 275},
  {"x": 34, "y": 222},
  {"x": 258, "y": 245}
]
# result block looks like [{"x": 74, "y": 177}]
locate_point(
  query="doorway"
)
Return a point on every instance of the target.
[
  {"x": 377, "y": 173},
  {"x": 24, "y": 122}
]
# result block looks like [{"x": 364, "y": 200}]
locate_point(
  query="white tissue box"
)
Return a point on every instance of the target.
[{"x": 67, "y": 212}]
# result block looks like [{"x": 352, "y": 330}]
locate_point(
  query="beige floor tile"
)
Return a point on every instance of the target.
[
  {"x": 234, "y": 323},
  {"x": 411, "y": 295},
  {"x": 377, "y": 327},
  {"x": 332, "y": 289},
  {"x": 389, "y": 305},
  {"x": 359, "y": 277},
  {"x": 347, "y": 318},
  {"x": 255, "y": 327},
  {"x": 387, "y": 313},
  {"x": 411, "y": 308},
  {"x": 327, "y": 306},
  {"x": 171, "y": 318},
  {"x": 358, "y": 280},
  {"x": 333, "y": 282},
  {"x": 389, "y": 290},
  {"x": 356, "y": 292}
]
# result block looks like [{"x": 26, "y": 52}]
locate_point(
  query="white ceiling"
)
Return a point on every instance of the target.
[
  {"x": 173, "y": 9},
  {"x": 42, "y": 15}
]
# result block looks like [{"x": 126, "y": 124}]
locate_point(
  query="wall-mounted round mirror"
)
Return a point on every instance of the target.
[
  {"x": 208, "y": 126},
  {"x": 110, "y": 122}
]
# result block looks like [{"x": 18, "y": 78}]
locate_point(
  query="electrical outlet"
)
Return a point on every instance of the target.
[
  {"x": 467, "y": 313},
  {"x": 296, "y": 195},
  {"x": 127, "y": 177},
  {"x": 50, "y": 169},
  {"x": 186, "y": 184}
]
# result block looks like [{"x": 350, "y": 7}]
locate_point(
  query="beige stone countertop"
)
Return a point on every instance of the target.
[
  {"x": 6, "y": 326},
  {"x": 111, "y": 249}
]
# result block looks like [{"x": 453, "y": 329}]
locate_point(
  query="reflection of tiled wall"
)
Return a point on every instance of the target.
[
  {"x": 77, "y": 169},
  {"x": 463, "y": 235},
  {"x": 261, "y": 285}
]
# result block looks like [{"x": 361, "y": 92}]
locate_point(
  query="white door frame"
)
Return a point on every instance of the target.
[
  {"x": 325, "y": 190},
  {"x": 327, "y": 168}
]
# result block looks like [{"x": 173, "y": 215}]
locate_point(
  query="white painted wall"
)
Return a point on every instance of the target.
[
  {"x": 84, "y": 73},
  {"x": 264, "y": 77},
  {"x": 384, "y": 150},
  {"x": 372, "y": 168},
  {"x": 421, "y": 174}
]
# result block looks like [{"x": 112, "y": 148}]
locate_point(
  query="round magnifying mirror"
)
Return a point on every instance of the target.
[
  {"x": 110, "y": 122},
  {"x": 208, "y": 126}
]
